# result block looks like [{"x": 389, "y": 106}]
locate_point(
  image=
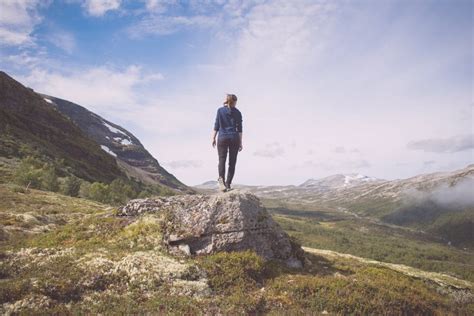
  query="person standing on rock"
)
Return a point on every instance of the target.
[{"x": 229, "y": 125}]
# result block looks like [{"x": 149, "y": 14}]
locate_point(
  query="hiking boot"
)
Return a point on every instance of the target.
[
  {"x": 227, "y": 185},
  {"x": 222, "y": 186}
]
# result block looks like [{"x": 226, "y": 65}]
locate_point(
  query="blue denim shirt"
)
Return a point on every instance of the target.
[{"x": 228, "y": 122}]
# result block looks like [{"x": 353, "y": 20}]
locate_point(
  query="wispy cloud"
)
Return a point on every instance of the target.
[
  {"x": 159, "y": 6},
  {"x": 63, "y": 40},
  {"x": 177, "y": 164},
  {"x": 348, "y": 165},
  {"x": 444, "y": 145},
  {"x": 428, "y": 163},
  {"x": 98, "y": 8},
  {"x": 101, "y": 88},
  {"x": 17, "y": 21},
  {"x": 25, "y": 60},
  {"x": 165, "y": 25},
  {"x": 340, "y": 150},
  {"x": 271, "y": 150}
]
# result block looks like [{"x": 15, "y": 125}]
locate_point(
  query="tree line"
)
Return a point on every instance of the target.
[{"x": 36, "y": 174}]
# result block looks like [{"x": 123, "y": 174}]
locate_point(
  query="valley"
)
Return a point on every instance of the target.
[{"x": 370, "y": 238}]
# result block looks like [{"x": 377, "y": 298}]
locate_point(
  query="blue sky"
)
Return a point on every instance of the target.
[{"x": 382, "y": 88}]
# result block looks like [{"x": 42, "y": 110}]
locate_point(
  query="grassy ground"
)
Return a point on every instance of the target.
[
  {"x": 369, "y": 239},
  {"x": 73, "y": 256}
]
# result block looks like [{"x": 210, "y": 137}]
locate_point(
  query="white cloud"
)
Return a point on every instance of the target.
[
  {"x": 153, "y": 77},
  {"x": 18, "y": 19},
  {"x": 100, "y": 7},
  {"x": 340, "y": 150},
  {"x": 99, "y": 88},
  {"x": 159, "y": 6},
  {"x": 428, "y": 163},
  {"x": 271, "y": 150},
  {"x": 444, "y": 145},
  {"x": 165, "y": 25},
  {"x": 63, "y": 40},
  {"x": 176, "y": 164},
  {"x": 281, "y": 33},
  {"x": 25, "y": 59},
  {"x": 332, "y": 166}
]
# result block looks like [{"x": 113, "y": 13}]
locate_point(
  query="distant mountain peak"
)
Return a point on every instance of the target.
[
  {"x": 212, "y": 184},
  {"x": 339, "y": 180}
]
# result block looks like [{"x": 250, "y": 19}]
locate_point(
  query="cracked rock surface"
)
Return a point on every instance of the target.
[{"x": 205, "y": 224}]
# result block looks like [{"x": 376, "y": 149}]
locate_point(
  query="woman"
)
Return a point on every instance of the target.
[{"x": 229, "y": 125}]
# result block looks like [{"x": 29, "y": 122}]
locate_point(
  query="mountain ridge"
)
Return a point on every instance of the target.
[
  {"x": 30, "y": 125},
  {"x": 131, "y": 155}
]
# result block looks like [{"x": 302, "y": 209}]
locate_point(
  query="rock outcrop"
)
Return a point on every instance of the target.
[{"x": 206, "y": 224}]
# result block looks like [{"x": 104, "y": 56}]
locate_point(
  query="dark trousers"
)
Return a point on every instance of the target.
[{"x": 225, "y": 145}]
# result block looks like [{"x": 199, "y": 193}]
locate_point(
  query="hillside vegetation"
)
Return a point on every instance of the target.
[
  {"x": 68, "y": 255},
  {"x": 348, "y": 233},
  {"x": 29, "y": 126}
]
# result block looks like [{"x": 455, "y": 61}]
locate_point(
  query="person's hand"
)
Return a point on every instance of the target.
[
  {"x": 241, "y": 147},
  {"x": 214, "y": 142}
]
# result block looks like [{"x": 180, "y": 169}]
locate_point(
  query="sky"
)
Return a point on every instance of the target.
[{"x": 382, "y": 88}]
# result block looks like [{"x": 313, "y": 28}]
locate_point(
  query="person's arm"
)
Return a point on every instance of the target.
[
  {"x": 240, "y": 146},
  {"x": 239, "y": 129},
  {"x": 213, "y": 137},
  {"x": 216, "y": 128}
]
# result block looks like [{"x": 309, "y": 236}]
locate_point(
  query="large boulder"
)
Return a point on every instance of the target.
[{"x": 206, "y": 224}]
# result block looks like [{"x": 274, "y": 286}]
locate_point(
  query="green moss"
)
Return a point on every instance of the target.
[
  {"x": 144, "y": 234},
  {"x": 228, "y": 272}
]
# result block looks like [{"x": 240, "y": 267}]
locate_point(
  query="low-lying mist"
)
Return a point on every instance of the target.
[
  {"x": 460, "y": 194},
  {"x": 425, "y": 207}
]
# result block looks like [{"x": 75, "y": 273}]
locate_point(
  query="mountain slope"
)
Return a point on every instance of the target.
[
  {"x": 130, "y": 154},
  {"x": 29, "y": 125}
]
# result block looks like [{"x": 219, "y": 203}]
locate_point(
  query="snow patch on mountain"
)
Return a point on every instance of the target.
[
  {"x": 107, "y": 150},
  {"x": 48, "y": 100},
  {"x": 339, "y": 181},
  {"x": 351, "y": 178},
  {"x": 123, "y": 141},
  {"x": 113, "y": 129}
]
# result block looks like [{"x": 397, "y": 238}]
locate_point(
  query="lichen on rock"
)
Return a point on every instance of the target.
[{"x": 206, "y": 224}]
